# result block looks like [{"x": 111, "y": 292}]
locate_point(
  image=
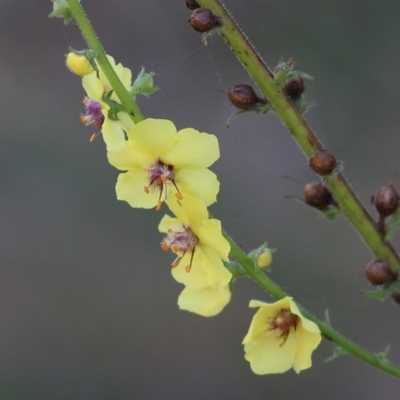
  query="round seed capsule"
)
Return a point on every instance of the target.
[
  {"x": 378, "y": 272},
  {"x": 322, "y": 162},
  {"x": 386, "y": 200},
  {"x": 202, "y": 20}
]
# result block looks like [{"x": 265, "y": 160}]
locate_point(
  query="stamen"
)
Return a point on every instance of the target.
[
  {"x": 178, "y": 196},
  {"x": 175, "y": 263},
  {"x": 146, "y": 189},
  {"x": 163, "y": 178},
  {"x": 158, "y": 208},
  {"x": 175, "y": 248},
  {"x": 94, "y": 136},
  {"x": 164, "y": 246},
  {"x": 187, "y": 268}
]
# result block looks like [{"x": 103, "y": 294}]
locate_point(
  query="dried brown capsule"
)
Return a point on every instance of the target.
[
  {"x": 202, "y": 20},
  {"x": 396, "y": 297},
  {"x": 317, "y": 195},
  {"x": 192, "y": 4},
  {"x": 294, "y": 87},
  {"x": 386, "y": 200},
  {"x": 322, "y": 162},
  {"x": 244, "y": 97},
  {"x": 378, "y": 272}
]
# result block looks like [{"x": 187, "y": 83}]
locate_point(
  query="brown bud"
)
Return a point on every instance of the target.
[
  {"x": 396, "y": 297},
  {"x": 244, "y": 97},
  {"x": 294, "y": 87},
  {"x": 378, "y": 272},
  {"x": 192, "y": 4},
  {"x": 386, "y": 200},
  {"x": 322, "y": 162},
  {"x": 202, "y": 20},
  {"x": 317, "y": 195}
]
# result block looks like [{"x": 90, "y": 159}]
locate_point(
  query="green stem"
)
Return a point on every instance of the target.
[
  {"x": 347, "y": 200},
  {"x": 263, "y": 280},
  {"x": 129, "y": 104}
]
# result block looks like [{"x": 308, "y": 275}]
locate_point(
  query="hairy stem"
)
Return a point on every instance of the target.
[
  {"x": 347, "y": 200},
  {"x": 93, "y": 42}
]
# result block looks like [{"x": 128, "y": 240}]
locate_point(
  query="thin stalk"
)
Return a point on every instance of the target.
[
  {"x": 129, "y": 104},
  {"x": 347, "y": 200}
]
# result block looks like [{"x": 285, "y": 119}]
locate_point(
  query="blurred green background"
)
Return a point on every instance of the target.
[{"x": 87, "y": 304}]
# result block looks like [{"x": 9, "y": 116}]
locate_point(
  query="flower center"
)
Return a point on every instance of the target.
[
  {"x": 181, "y": 242},
  {"x": 93, "y": 115},
  {"x": 283, "y": 321},
  {"x": 160, "y": 175}
]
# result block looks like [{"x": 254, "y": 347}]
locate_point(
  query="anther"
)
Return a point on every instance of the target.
[
  {"x": 178, "y": 196},
  {"x": 159, "y": 204},
  {"x": 164, "y": 246},
  {"x": 146, "y": 189}
]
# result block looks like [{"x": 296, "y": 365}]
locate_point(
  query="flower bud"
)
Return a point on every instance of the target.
[
  {"x": 294, "y": 87},
  {"x": 202, "y": 20},
  {"x": 192, "y": 4},
  {"x": 244, "y": 97},
  {"x": 322, "y": 162},
  {"x": 386, "y": 200},
  {"x": 79, "y": 64},
  {"x": 317, "y": 195},
  {"x": 378, "y": 272},
  {"x": 264, "y": 258}
]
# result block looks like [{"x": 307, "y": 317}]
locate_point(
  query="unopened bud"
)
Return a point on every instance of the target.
[
  {"x": 264, "y": 258},
  {"x": 79, "y": 64}
]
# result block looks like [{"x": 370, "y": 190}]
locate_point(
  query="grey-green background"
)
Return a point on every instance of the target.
[{"x": 87, "y": 304}]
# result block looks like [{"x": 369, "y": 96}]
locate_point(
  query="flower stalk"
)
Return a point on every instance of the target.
[
  {"x": 347, "y": 200},
  {"x": 129, "y": 104}
]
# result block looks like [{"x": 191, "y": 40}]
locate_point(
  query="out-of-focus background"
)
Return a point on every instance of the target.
[{"x": 87, "y": 304}]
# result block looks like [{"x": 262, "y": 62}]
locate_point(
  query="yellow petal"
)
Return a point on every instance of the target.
[
  {"x": 194, "y": 149},
  {"x": 217, "y": 275},
  {"x": 130, "y": 187},
  {"x": 113, "y": 135},
  {"x": 205, "y": 302},
  {"x": 199, "y": 182},
  {"x": 167, "y": 223},
  {"x": 93, "y": 86},
  {"x": 210, "y": 236},
  {"x": 154, "y": 136}
]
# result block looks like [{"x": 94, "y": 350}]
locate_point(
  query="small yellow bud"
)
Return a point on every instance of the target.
[
  {"x": 79, "y": 64},
  {"x": 265, "y": 258}
]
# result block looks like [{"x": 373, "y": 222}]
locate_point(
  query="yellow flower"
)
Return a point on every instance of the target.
[
  {"x": 200, "y": 247},
  {"x": 162, "y": 164},
  {"x": 97, "y": 110},
  {"x": 280, "y": 338},
  {"x": 79, "y": 64}
]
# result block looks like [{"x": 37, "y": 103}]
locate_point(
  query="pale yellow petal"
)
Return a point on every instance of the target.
[
  {"x": 210, "y": 236},
  {"x": 205, "y": 302},
  {"x": 199, "y": 182},
  {"x": 154, "y": 136},
  {"x": 130, "y": 187},
  {"x": 217, "y": 275},
  {"x": 266, "y": 356},
  {"x": 197, "y": 277},
  {"x": 307, "y": 343},
  {"x": 93, "y": 86},
  {"x": 167, "y": 223},
  {"x": 191, "y": 211},
  {"x": 194, "y": 149},
  {"x": 113, "y": 134}
]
